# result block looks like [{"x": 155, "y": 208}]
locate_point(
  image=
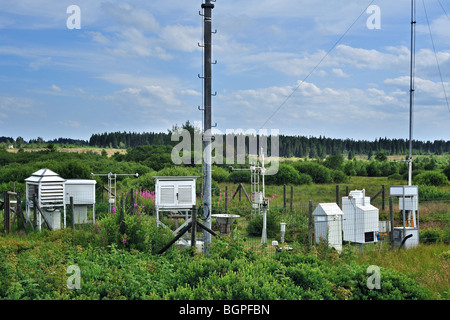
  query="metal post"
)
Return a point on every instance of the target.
[
  {"x": 391, "y": 221},
  {"x": 194, "y": 227},
  {"x": 284, "y": 198},
  {"x": 133, "y": 208},
  {"x": 337, "y": 194},
  {"x": 264, "y": 230},
  {"x": 35, "y": 219},
  {"x": 382, "y": 197},
  {"x": 72, "y": 212},
  {"x": 310, "y": 223},
  {"x": 411, "y": 90},
  {"x": 6, "y": 211},
  {"x": 292, "y": 197},
  {"x": 226, "y": 199},
  {"x": 207, "y": 135}
]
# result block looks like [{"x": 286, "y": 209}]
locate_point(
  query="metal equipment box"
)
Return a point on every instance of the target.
[
  {"x": 175, "y": 192},
  {"x": 360, "y": 223}
]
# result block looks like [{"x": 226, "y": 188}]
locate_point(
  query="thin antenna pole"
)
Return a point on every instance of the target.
[
  {"x": 207, "y": 136},
  {"x": 411, "y": 90}
]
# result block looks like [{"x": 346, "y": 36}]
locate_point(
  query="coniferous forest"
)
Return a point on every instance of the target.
[{"x": 289, "y": 146}]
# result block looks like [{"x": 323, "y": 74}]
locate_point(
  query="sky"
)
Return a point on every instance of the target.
[{"x": 304, "y": 68}]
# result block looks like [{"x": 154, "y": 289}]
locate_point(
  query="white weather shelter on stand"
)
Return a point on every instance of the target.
[
  {"x": 49, "y": 189},
  {"x": 408, "y": 202},
  {"x": 174, "y": 194},
  {"x": 328, "y": 224}
]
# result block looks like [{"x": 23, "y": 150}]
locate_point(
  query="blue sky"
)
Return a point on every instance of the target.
[{"x": 133, "y": 66}]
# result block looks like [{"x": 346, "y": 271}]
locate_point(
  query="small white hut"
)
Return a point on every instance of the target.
[{"x": 328, "y": 224}]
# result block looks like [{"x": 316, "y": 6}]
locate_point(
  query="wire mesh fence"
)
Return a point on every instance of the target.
[{"x": 302, "y": 228}]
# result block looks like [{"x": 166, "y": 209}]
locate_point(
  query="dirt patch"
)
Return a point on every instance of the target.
[{"x": 109, "y": 151}]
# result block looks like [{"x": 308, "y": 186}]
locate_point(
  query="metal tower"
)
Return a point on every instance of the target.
[{"x": 207, "y": 136}]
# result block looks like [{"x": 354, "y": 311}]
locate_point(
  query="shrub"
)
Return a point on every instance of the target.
[
  {"x": 374, "y": 169},
  {"x": 239, "y": 176},
  {"x": 395, "y": 176},
  {"x": 318, "y": 172},
  {"x": 447, "y": 172},
  {"x": 334, "y": 162},
  {"x": 304, "y": 178},
  {"x": 432, "y": 193},
  {"x": 219, "y": 174},
  {"x": 338, "y": 176},
  {"x": 431, "y": 178},
  {"x": 285, "y": 175},
  {"x": 434, "y": 235},
  {"x": 255, "y": 225}
]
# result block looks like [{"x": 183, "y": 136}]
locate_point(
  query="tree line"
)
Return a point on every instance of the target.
[{"x": 289, "y": 146}]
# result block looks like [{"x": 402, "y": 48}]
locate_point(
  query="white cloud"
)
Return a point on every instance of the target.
[
  {"x": 133, "y": 43},
  {"x": 181, "y": 38},
  {"x": 69, "y": 123},
  {"x": 55, "y": 88},
  {"x": 21, "y": 105},
  {"x": 127, "y": 15},
  {"x": 339, "y": 73},
  {"x": 98, "y": 37}
]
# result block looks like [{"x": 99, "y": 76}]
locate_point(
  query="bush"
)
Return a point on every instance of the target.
[
  {"x": 435, "y": 235},
  {"x": 219, "y": 174},
  {"x": 304, "y": 179},
  {"x": 318, "y": 172},
  {"x": 432, "y": 193},
  {"x": 431, "y": 178},
  {"x": 335, "y": 162},
  {"x": 285, "y": 175},
  {"x": 255, "y": 225},
  {"x": 239, "y": 176},
  {"x": 447, "y": 172},
  {"x": 338, "y": 176},
  {"x": 395, "y": 176}
]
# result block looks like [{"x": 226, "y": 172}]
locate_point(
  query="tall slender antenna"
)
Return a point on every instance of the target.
[
  {"x": 207, "y": 135},
  {"x": 411, "y": 88}
]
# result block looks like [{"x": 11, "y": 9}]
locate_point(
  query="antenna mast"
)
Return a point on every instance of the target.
[
  {"x": 207, "y": 136},
  {"x": 411, "y": 89}
]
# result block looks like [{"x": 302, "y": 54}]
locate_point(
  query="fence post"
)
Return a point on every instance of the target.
[
  {"x": 337, "y": 194},
  {"x": 72, "y": 212},
  {"x": 226, "y": 199},
  {"x": 193, "y": 227},
  {"x": 382, "y": 197},
  {"x": 35, "y": 223},
  {"x": 6, "y": 211},
  {"x": 391, "y": 222},
  {"x": 292, "y": 196},
  {"x": 122, "y": 216},
  {"x": 310, "y": 223},
  {"x": 284, "y": 198},
  {"x": 133, "y": 208}
]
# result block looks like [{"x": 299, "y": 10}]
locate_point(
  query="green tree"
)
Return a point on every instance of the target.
[
  {"x": 380, "y": 156},
  {"x": 335, "y": 162}
]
